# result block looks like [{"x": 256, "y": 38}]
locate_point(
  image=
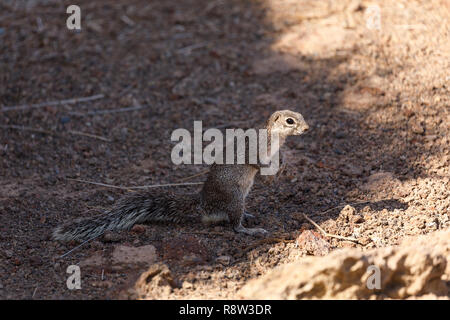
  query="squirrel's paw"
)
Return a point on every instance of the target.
[{"x": 250, "y": 231}]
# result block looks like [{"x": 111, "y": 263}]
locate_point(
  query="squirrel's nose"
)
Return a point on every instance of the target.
[{"x": 306, "y": 129}]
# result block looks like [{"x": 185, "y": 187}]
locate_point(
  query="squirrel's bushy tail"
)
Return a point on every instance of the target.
[{"x": 137, "y": 208}]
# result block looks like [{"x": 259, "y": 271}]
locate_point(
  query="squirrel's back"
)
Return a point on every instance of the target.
[{"x": 136, "y": 208}]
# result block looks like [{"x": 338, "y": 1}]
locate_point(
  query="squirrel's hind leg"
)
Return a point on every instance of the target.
[
  {"x": 236, "y": 217},
  {"x": 250, "y": 231}
]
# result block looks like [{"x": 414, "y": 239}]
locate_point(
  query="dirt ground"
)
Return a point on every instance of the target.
[{"x": 376, "y": 97}]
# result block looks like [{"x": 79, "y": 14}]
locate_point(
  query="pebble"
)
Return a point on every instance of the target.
[
  {"x": 138, "y": 228},
  {"x": 192, "y": 259},
  {"x": 35, "y": 260},
  {"x": 111, "y": 237},
  {"x": 8, "y": 253},
  {"x": 224, "y": 260},
  {"x": 187, "y": 285},
  {"x": 64, "y": 119},
  {"x": 340, "y": 135}
]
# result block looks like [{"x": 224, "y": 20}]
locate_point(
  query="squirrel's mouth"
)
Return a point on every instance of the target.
[{"x": 300, "y": 131}]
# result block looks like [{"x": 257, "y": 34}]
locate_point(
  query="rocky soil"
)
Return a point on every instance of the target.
[
  {"x": 374, "y": 166},
  {"x": 417, "y": 268}
]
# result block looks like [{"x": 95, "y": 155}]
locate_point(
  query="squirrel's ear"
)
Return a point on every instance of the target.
[{"x": 276, "y": 117}]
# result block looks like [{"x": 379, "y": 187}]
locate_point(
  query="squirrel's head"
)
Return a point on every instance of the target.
[{"x": 288, "y": 123}]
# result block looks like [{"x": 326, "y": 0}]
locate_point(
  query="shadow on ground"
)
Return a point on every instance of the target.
[{"x": 222, "y": 62}]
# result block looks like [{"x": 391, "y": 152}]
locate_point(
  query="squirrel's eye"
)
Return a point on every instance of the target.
[{"x": 290, "y": 121}]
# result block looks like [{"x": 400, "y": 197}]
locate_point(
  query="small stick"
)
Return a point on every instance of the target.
[
  {"x": 34, "y": 292},
  {"x": 206, "y": 233},
  {"x": 195, "y": 175},
  {"x": 326, "y": 234},
  {"x": 108, "y": 111},
  {"x": 136, "y": 187},
  {"x": 79, "y": 133},
  {"x": 127, "y": 20},
  {"x": 29, "y": 129},
  {"x": 53, "y": 103},
  {"x": 187, "y": 50},
  {"x": 80, "y": 245}
]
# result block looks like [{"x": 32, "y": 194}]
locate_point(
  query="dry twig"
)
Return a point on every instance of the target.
[
  {"x": 79, "y": 133},
  {"x": 195, "y": 175},
  {"x": 53, "y": 103},
  {"x": 52, "y": 133},
  {"x": 137, "y": 187},
  {"x": 326, "y": 234},
  {"x": 96, "y": 112}
]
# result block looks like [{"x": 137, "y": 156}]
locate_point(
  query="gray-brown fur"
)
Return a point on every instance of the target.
[
  {"x": 136, "y": 208},
  {"x": 221, "y": 199}
]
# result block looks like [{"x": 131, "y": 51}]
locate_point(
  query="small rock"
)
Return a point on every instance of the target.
[
  {"x": 97, "y": 244},
  {"x": 109, "y": 180},
  {"x": 17, "y": 262},
  {"x": 340, "y": 135},
  {"x": 134, "y": 255},
  {"x": 224, "y": 260},
  {"x": 64, "y": 119},
  {"x": 311, "y": 243},
  {"x": 35, "y": 260},
  {"x": 191, "y": 259},
  {"x": 8, "y": 253},
  {"x": 178, "y": 247},
  {"x": 357, "y": 219},
  {"x": 347, "y": 213},
  {"x": 352, "y": 171},
  {"x": 102, "y": 284},
  {"x": 417, "y": 128},
  {"x": 111, "y": 237},
  {"x": 156, "y": 282},
  {"x": 138, "y": 228},
  {"x": 124, "y": 131},
  {"x": 187, "y": 285},
  {"x": 206, "y": 268},
  {"x": 95, "y": 260},
  {"x": 364, "y": 240}
]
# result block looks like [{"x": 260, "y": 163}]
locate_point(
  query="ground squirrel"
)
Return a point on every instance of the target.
[{"x": 222, "y": 197}]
